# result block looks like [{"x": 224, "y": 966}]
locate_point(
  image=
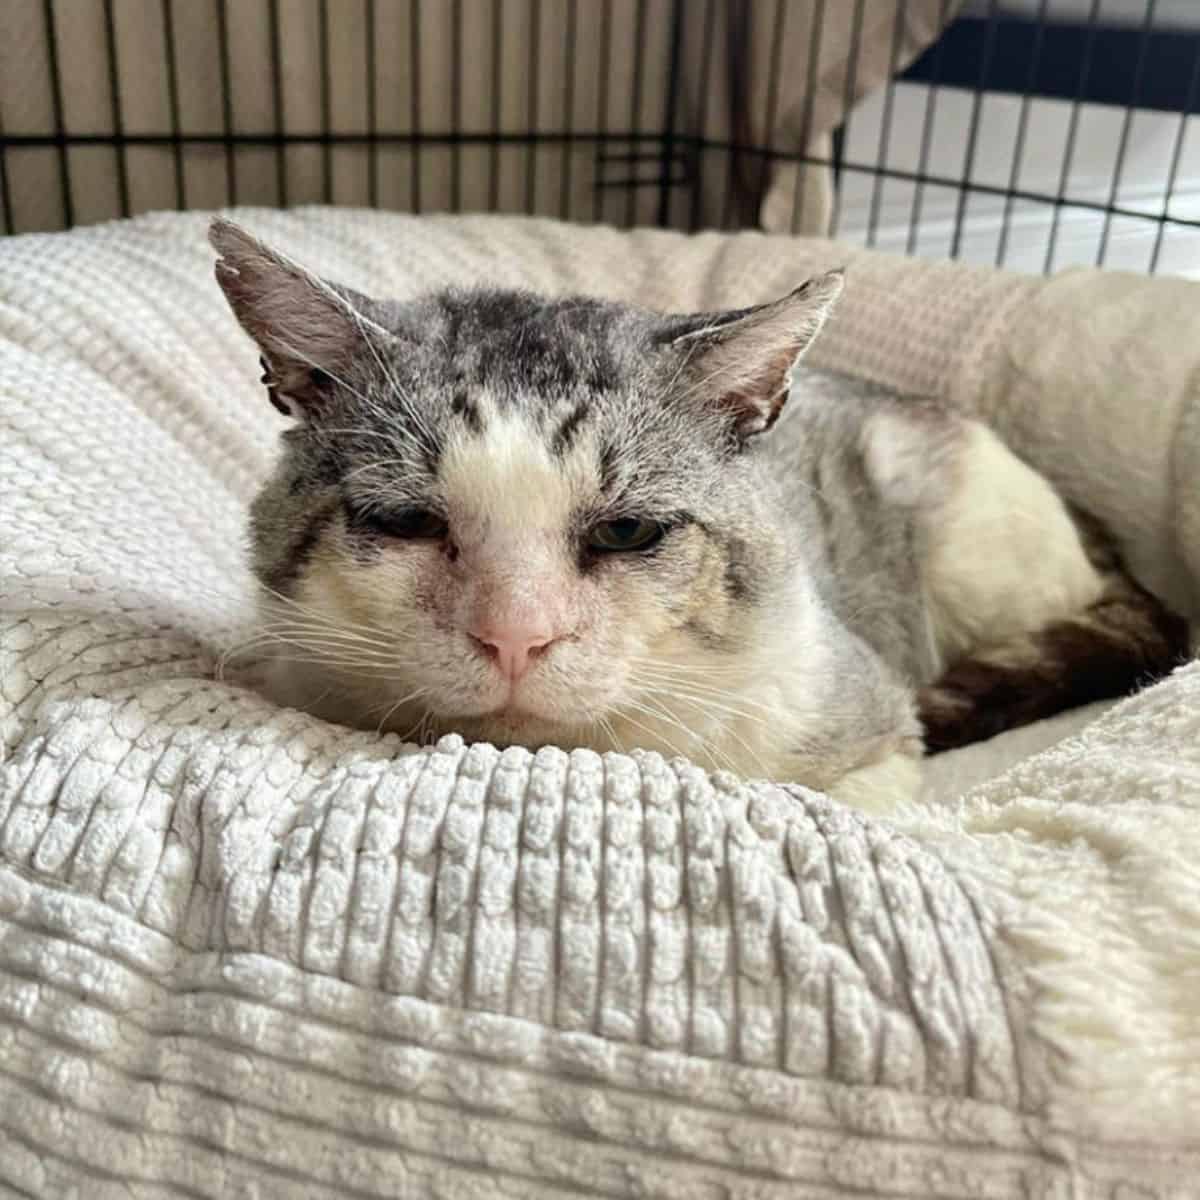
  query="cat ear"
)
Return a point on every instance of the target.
[
  {"x": 307, "y": 329},
  {"x": 742, "y": 361}
]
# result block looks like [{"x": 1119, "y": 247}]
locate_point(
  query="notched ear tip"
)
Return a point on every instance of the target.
[
  {"x": 245, "y": 267},
  {"x": 226, "y": 273},
  {"x": 227, "y": 237},
  {"x": 824, "y": 288},
  {"x": 241, "y": 258},
  {"x": 234, "y": 247}
]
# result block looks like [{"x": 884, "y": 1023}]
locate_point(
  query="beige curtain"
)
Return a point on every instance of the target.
[
  {"x": 893, "y": 35},
  {"x": 803, "y": 63},
  {"x": 255, "y": 69}
]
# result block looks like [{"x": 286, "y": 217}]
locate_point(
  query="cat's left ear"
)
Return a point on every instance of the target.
[{"x": 742, "y": 361}]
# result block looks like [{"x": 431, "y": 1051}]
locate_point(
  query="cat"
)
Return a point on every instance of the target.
[{"x": 531, "y": 520}]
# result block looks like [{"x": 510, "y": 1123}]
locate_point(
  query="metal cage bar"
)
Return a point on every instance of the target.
[{"x": 740, "y": 107}]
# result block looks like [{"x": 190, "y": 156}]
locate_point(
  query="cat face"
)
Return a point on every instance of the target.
[{"x": 523, "y": 519}]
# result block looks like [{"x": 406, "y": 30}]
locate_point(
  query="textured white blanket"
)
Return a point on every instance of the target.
[{"x": 244, "y": 953}]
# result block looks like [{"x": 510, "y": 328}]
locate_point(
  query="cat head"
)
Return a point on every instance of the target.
[{"x": 516, "y": 517}]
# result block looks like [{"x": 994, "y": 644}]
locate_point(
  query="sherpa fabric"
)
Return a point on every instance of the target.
[{"x": 244, "y": 953}]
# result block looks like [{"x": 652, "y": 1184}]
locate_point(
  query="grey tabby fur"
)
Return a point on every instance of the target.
[{"x": 781, "y": 625}]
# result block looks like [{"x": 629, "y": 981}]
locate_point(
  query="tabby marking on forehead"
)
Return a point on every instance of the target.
[{"x": 505, "y": 471}]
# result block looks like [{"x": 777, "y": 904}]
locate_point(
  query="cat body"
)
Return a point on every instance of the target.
[{"x": 567, "y": 521}]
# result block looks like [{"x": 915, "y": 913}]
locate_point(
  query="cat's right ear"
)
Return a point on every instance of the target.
[{"x": 308, "y": 330}]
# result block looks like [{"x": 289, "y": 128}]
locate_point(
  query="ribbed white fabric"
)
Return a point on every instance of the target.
[{"x": 245, "y": 953}]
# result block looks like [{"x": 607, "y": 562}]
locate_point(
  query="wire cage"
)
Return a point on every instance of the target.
[{"x": 1029, "y": 133}]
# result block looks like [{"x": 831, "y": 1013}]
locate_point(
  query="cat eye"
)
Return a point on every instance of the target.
[
  {"x": 411, "y": 524},
  {"x": 625, "y": 534}
]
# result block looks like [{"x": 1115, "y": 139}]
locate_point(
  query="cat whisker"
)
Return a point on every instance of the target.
[
  {"x": 417, "y": 733},
  {"x": 730, "y": 700},
  {"x": 316, "y": 614},
  {"x": 707, "y": 703},
  {"x": 330, "y": 661},
  {"x": 708, "y": 748},
  {"x": 648, "y": 677},
  {"x": 688, "y": 668},
  {"x": 327, "y": 629},
  {"x": 404, "y": 398},
  {"x": 606, "y": 727},
  {"x": 307, "y": 639},
  {"x": 327, "y": 636},
  {"x": 413, "y": 695},
  {"x": 389, "y": 703},
  {"x": 687, "y": 664},
  {"x": 359, "y": 431},
  {"x": 727, "y": 682},
  {"x": 364, "y": 636},
  {"x": 685, "y": 362},
  {"x": 706, "y": 706},
  {"x": 656, "y": 736},
  {"x": 324, "y": 649},
  {"x": 377, "y": 465}
]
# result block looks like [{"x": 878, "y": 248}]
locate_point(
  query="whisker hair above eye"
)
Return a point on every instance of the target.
[
  {"x": 377, "y": 465},
  {"x": 404, "y": 398},
  {"x": 370, "y": 404},
  {"x": 685, "y": 362}
]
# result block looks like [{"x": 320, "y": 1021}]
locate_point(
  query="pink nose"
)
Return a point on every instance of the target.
[{"x": 513, "y": 647}]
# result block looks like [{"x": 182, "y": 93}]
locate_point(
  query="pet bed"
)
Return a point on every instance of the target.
[{"x": 244, "y": 953}]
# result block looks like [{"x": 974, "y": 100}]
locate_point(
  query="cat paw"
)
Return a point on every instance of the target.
[{"x": 880, "y": 788}]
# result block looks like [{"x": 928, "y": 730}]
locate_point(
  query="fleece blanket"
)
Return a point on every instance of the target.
[{"x": 244, "y": 953}]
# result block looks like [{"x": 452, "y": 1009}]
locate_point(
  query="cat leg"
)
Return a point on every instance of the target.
[
  {"x": 1004, "y": 555},
  {"x": 1116, "y": 645},
  {"x": 1029, "y": 606}
]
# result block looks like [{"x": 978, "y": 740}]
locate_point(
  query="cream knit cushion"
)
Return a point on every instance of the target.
[{"x": 245, "y": 953}]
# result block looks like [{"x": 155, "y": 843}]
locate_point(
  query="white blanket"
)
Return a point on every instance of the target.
[{"x": 244, "y": 953}]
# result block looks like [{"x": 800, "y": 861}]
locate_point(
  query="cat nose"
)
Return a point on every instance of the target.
[{"x": 513, "y": 647}]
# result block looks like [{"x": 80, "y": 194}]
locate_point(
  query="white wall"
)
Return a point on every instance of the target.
[{"x": 1151, "y": 144}]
